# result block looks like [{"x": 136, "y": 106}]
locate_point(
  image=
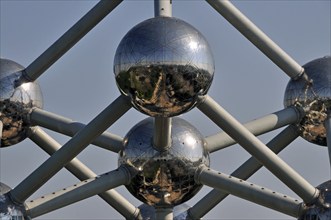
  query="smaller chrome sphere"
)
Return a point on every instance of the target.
[
  {"x": 163, "y": 64},
  {"x": 8, "y": 209},
  {"x": 317, "y": 212},
  {"x": 315, "y": 98},
  {"x": 164, "y": 179},
  {"x": 15, "y": 102}
]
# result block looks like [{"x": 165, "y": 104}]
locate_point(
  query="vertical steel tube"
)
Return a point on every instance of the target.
[
  {"x": 70, "y": 150},
  {"x": 163, "y": 8},
  {"x": 69, "y": 39},
  {"x": 82, "y": 172},
  {"x": 78, "y": 192},
  {"x": 328, "y": 136},
  {"x": 1, "y": 129},
  {"x": 162, "y": 133},
  {"x": 246, "y": 170},
  {"x": 257, "y": 149},
  {"x": 258, "y": 38},
  {"x": 164, "y": 214},
  {"x": 257, "y": 127},
  {"x": 68, "y": 127},
  {"x": 250, "y": 192}
]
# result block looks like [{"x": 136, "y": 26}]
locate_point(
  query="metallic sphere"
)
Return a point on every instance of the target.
[
  {"x": 163, "y": 64},
  {"x": 15, "y": 102},
  {"x": 164, "y": 179},
  {"x": 8, "y": 209},
  {"x": 320, "y": 213},
  {"x": 315, "y": 97},
  {"x": 147, "y": 212}
]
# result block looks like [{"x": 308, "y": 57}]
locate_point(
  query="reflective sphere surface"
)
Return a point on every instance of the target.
[
  {"x": 147, "y": 212},
  {"x": 315, "y": 97},
  {"x": 165, "y": 179},
  {"x": 15, "y": 102},
  {"x": 320, "y": 213},
  {"x": 8, "y": 209},
  {"x": 163, "y": 64}
]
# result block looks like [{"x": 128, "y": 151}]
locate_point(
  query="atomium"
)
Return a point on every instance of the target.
[
  {"x": 8, "y": 209},
  {"x": 315, "y": 97},
  {"x": 15, "y": 102},
  {"x": 317, "y": 212},
  {"x": 164, "y": 64},
  {"x": 165, "y": 178}
]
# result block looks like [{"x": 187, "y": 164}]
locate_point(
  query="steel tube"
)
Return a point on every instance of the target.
[
  {"x": 164, "y": 214},
  {"x": 328, "y": 135},
  {"x": 70, "y": 150},
  {"x": 163, "y": 8},
  {"x": 162, "y": 133},
  {"x": 1, "y": 129},
  {"x": 68, "y": 127},
  {"x": 246, "y": 170},
  {"x": 77, "y": 192},
  {"x": 82, "y": 172},
  {"x": 257, "y": 149},
  {"x": 257, "y": 127},
  {"x": 258, "y": 38},
  {"x": 69, "y": 39},
  {"x": 250, "y": 192}
]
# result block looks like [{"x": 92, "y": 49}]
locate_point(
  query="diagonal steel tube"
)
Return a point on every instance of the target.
[
  {"x": 69, "y": 39},
  {"x": 258, "y": 38},
  {"x": 257, "y": 127},
  {"x": 246, "y": 170},
  {"x": 71, "y": 149},
  {"x": 250, "y": 192},
  {"x": 68, "y": 127},
  {"x": 77, "y": 192},
  {"x": 82, "y": 172},
  {"x": 256, "y": 148}
]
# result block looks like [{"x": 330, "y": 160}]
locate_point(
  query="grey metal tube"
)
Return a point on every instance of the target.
[
  {"x": 70, "y": 150},
  {"x": 257, "y": 149},
  {"x": 257, "y": 127},
  {"x": 328, "y": 136},
  {"x": 68, "y": 127},
  {"x": 82, "y": 172},
  {"x": 69, "y": 39},
  {"x": 246, "y": 170},
  {"x": 1, "y": 129},
  {"x": 164, "y": 214},
  {"x": 258, "y": 38},
  {"x": 162, "y": 133},
  {"x": 250, "y": 192},
  {"x": 163, "y": 8},
  {"x": 77, "y": 192}
]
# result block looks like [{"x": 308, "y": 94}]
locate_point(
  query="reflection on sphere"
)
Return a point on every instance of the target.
[
  {"x": 316, "y": 97},
  {"x": 164, "y": 179},
  {"x": 15, "y": 102},
  {"x": 163, "y": 64}
]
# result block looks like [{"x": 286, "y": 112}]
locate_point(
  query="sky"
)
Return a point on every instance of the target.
[{"x": 246, "y": 83}]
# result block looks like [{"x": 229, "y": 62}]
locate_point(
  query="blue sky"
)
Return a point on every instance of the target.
[{"x": 246, "y": 83}]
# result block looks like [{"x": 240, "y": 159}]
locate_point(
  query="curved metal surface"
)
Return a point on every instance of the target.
[
  {"x": 8, "y": 209},
  {"x": 163, "y": 64},
  {"x": 315, "y": 97},
  {"x": 15, "y": 102},
  {"x": 166, "y": 178}
]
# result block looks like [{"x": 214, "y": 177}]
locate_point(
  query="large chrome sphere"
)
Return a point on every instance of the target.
[
  {"x": 320, "y": 213},
  {"x": 8, "y": 209},
  {"x": 147, "y": 212},
  {"x": 163, "y": 64},
  {"x": 15, "y": 102},
  {"x": 165, "y": 179},
  {"x": 315, "y": 97}
]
